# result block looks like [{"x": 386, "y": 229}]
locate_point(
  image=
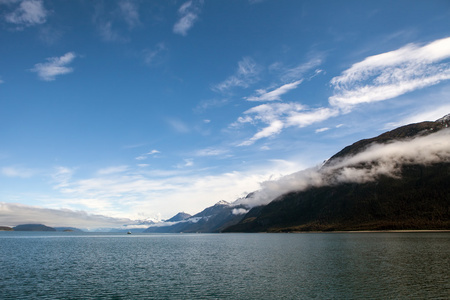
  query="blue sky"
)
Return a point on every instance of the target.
[{"x": 142, "y": 109}]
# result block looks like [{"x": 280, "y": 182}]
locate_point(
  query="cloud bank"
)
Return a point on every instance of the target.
[
  {"x": 385, "y": 159},
  {"x": 13, "y": 214}
]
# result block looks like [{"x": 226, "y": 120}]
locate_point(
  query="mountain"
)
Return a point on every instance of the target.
[
  {"x": 33, "y": 227},
  {"x": 212, "y": 219},
  {"x": 5, "y": 228},
  {"x": 179, "y": 217},
  {"x": 415, "y": 196},
  {"x": 407, "y": 131},
  {"x": 68, "y": 229}
]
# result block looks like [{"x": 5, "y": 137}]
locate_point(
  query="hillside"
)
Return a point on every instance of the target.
[
  {"x": 415, "y": 196},
  {"x": 33, "y": 227}
]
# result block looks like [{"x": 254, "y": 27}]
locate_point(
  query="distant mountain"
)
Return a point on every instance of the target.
[
  {"x": 179, "y": 217},
  {"x": 33, "y": 227},
  {"x": 212, "y": 219},
  {"x": 5, "y": 228},
  {"x": 417, "y": 197},
  {"x": 68, "y": 229}
]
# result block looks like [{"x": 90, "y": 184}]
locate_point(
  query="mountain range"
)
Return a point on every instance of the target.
[{"x": 395, "y": 181}]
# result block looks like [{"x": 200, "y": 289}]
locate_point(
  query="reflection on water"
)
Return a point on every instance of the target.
[{"x": 224, "y": 266}]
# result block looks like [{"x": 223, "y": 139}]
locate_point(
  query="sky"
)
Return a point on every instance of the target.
[{"x": 113, "y": 111}]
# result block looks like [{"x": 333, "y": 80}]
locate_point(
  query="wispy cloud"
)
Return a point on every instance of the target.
[
  {"x": 108, "y": 34},
  {"x": 302, "y": 69},
  {"x": 275, "y": 94},
  {"x": 425, "y": 114},
  {"x": 207, "y": 104},
  {"x": 188, "y": 162},
  {"x": 145, "y": 156},
  {"x": 188, "y": 13},
  {"x": 113, "y": 170},
  {"x": 245, "y": 75},
  {"x": 303, "y": 119},
  {"x": 178, "y": 125},
  {"x": 391, "y": 74},
  {"x": 107, "y": 21},
  {"x": 54, "y": 66},
  {"x": 279, "y": 116},
  {"x": 20, "y": 172},
  {"x": 211, "y": 152},
  {"x": 130, "y": 12},
  {"x": 154, "y": 151},
  {"x": 61, "y": 177},
  {"x": 322, "y": 129},
  {"x": 155, "y": 55},
  {"x": 29, "y": 13}
]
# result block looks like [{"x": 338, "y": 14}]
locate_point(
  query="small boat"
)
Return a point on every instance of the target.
[{"x": 129, "y": 232}]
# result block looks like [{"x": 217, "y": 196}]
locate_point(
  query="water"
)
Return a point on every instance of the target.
[{"x": 224, "y": 266}]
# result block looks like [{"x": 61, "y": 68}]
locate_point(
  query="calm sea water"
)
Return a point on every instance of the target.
[{"x": 224, "y": 266}]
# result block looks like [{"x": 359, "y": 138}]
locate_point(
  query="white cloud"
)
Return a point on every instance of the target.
[
  {"x": 322, "y": 129},
  {"x": 239, "y": 211},
  {"x": 188, "y": 12},
  {"x": 29, "y": 13},
  {"x": 145, "y": 156},
  {"x": 54, "y": 66},
  {"x": 282, "y": 115},
  {"x": 20, "y": 172},
  {"x": 274, "y": 128},
  {"x": 303, "y": 119},
  {"x": 391, "y": 74},
  {"x": 245, "y": 75},
  {"x": 154, "y": 151},
  {"x": 189, "y": 162},
  {"x": 275, "y": 94}
]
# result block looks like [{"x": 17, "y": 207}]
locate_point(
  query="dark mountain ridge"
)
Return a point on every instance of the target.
[
  {"x": 33, "y": 227},
  {"x": 403, "y": 132},
  {"x": 418, "y": 197}
]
